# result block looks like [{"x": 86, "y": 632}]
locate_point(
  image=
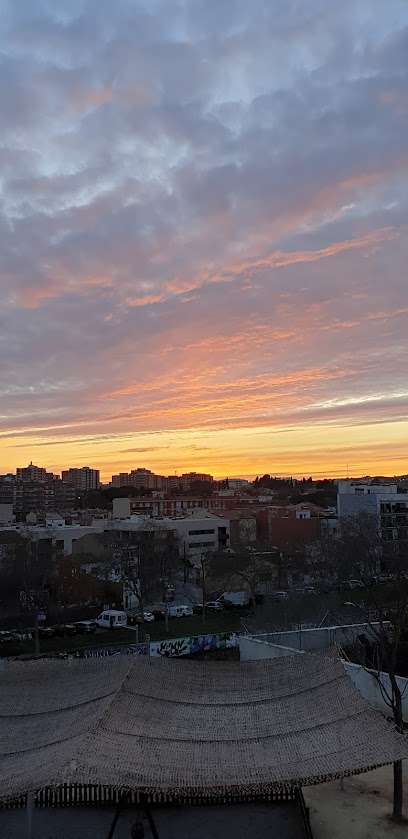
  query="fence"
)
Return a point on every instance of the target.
[{"x": 85, "y": 795}]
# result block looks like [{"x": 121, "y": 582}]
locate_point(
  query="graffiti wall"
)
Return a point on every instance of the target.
[
  {"x": 132, "y": 649},
  {"x": 171, "y": 648},
  {"x": 210, "y": 643},
  {"x": 199, "y": 644}
]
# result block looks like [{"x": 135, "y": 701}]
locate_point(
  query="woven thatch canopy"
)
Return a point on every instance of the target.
[{"x": 182, "y": 726}]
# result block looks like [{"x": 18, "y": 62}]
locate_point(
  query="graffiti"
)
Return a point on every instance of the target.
[
  {"x": 171, "y": 649},
  {"x": 210, "y": 643},
  {"x": 230, "y": 640},
  {"x": 132, "y": 649}
]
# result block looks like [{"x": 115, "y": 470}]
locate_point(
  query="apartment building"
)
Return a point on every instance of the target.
[
  {"x": 32, "y": 473},
  {"x": 189, "y": 478},
  {"x": 83, "y": 479}
]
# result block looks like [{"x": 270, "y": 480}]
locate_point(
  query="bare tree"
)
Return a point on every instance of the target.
[
  {"x": 365, "y": 552},
  {"x": 144, "y": 562},
  {"x": 27, "y": 566}
]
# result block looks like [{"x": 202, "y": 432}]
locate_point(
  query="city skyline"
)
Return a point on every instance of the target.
[{"x": 204, "y": 238}]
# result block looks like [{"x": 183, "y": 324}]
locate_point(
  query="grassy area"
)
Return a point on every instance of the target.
[{"x": 178, "y": 628}]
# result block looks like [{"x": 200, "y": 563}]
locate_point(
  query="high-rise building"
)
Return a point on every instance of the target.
[
  {"x": 189, "y": 478},
  {"x": 32, "y": 473},
  {"x": 145, "y": 479},
  {"x": 83, "y": 479},
  {"x": 121, "y": 480}
]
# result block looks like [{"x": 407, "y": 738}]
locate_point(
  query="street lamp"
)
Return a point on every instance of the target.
[{"x": 360, "y": 608}]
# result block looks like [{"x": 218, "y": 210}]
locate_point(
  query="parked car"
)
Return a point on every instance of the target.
[
  {"x": 5, "y": 636},
  {"x": 281, "y": 595},
  {"x": 45, "y": 632},
  {"x": 158, "y": 614},
  {"x": 85, "y": 627},
  {"x": 213, "y": 606},
  {"x": 187, "y": 611},
  {"x": 355, "y": 584},
  {"x": 82, "y": 628},
  {"x": 21, "y": 634},
  {"x": 59, "y": 630},
  {"x": 134, "y": 620}
]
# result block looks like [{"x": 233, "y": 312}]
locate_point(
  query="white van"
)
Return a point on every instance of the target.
[{"x": 112, "y": 619}]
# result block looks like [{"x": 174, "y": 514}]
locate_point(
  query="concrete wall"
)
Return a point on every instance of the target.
[
  {"x": 311, "y": 640},
  {"x": 254, "y": 649},
  {"x": 367, "y": 684}
]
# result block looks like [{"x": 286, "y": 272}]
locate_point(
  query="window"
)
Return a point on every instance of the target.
[
  {"x": 199, "y": 532},
  {"x": 202, "y": 544}
]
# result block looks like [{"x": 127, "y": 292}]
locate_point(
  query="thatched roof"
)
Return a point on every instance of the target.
[{"x": 188, "y": 727}]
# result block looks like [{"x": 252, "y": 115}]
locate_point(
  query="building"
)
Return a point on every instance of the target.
[
  {"x": 288, "y": 528},
  {"x": 243, "y": 526},
  {"x": 83, "y": 479},
  {"x": 187, "y": 479},
  {"x": 121, "y": 480},
  {"x": 237, "y": 483},
  {"x": 169, "y": 506},
  {"x": 6, "y": 515},
  {"x": 31, "y": 473},
  {"x": 389, "y": 507}
]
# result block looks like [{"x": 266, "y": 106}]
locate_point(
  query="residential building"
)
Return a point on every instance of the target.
[
  {"x": 31, "y": 473},
  {"x": 237, "y": 483},
  {"x": 288, "y": 528},
  {"x": 121, "y": 480},
  {"x": 83, "y": 479},
  {"x": 189, "y": 478},
  {"x": 243, "y": 526},
  {"x": 389, "y": 506},
  {"x": 145, "y": 479}
]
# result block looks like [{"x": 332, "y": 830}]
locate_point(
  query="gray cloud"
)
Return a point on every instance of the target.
[{"x": 166, "y": 170}]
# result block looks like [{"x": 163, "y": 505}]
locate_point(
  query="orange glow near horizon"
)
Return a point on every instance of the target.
[{"x": 203, "y": 246}]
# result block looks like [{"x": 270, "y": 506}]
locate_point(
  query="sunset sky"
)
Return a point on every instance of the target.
[{"x": 203, "y": 237}]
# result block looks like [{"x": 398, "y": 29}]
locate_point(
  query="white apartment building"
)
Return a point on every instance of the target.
[{"x": 354, "y": 498}]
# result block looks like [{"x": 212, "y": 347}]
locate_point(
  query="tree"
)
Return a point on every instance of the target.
[
  {"x": 247, "y": 565},
  {"x": 27, "y": 566},
  {"x": 144, "y": 562},
  {"x": 368, "y": 550}
]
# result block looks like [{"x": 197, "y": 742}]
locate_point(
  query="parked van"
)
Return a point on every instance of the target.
[{"x": 112, "y": 619}]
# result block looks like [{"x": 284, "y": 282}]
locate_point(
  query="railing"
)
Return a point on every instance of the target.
[{"x": 78, "y": 795}]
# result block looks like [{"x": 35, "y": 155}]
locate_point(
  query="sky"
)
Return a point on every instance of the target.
[{"x": 203, "y": 236}]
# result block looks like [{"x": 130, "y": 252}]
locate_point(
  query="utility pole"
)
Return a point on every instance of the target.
[{"x": 36, "y": 635}]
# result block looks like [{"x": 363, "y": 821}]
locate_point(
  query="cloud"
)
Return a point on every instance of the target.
[{"x": 203, "y": 226}]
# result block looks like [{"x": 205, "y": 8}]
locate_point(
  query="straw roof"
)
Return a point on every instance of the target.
[{"x": 186, "y": 727}]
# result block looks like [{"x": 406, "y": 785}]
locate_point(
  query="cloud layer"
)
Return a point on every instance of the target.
[{"x": 203, "y": 238}]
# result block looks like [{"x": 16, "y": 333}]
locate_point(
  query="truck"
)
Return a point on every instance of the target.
[{"x": 234, "y": 598}]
